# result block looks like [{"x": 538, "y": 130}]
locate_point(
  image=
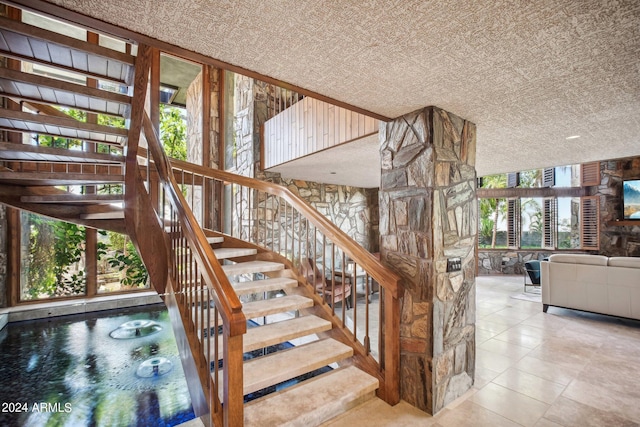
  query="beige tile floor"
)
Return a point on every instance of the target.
[{"x": 562, "y": 368}]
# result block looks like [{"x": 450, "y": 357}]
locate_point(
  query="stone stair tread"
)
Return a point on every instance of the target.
[
  {"x": 251, "y": 267},
  {"x": 268, "y": 307},
  {"x": 279, "y": 332},
  {"x": 224, "y": 253},
  {"x": 275, "y": 305},
  {"x": 215, "y": 239},
  {"x": 260, "y": 286},
  {"x": 265, "y": 285},
  {"x": 314, "y": 401},
  {"x": 283, "y": 365}
]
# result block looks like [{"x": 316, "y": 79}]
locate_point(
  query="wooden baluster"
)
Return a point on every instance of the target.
[
  {"x": 284, "y": 228},
  {"x": 333, "y": 279},
  {"x": 367, "y": 342},
  {"x": 299, "y": 234},
  {"x": 354, "y": 300},
  {"x": 273, "y": 223},
  {"x": 207, "y": 352},
  {"x": 344, "y": 285},
  {"x": 193, "y": 191},
  {"x": 265, "y": 229},
  {"x": 216, "y": 358},
  {"x": 251, "y": 228},
  {"x": 324, "y": 263},
  {"x": 295, "y": 231},
  {"x": 277, "y": 201}
]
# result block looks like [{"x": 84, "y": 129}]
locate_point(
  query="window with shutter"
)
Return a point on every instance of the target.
[
  {"x": 590, "y": 222},
  {"x": 549, "y": 177},
  {"x": 549, "y": 223},
  {"x": 513, "y": 180},
  {"x": 513, "y": 223},
  {"x": 590, "y": 174}
]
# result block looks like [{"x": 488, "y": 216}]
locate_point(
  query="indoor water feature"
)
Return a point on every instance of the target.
[
  {"x": 115, "y": 368},
  {"x": 154, "y": 367},
  {"x": 135, "y": 329}
]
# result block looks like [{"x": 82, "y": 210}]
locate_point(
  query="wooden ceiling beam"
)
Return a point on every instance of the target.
[{"x": 503, "y": 193}]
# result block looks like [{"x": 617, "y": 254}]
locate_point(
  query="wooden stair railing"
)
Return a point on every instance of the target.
[
  {"x": 278, "y": 220},
  {"x": 195, "y": 278}
]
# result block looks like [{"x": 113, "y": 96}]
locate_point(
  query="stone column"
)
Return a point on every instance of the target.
[{"x": 428, "y": 214}]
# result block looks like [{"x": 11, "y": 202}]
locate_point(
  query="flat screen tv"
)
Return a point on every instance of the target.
[{"x": 631, "y": 198}]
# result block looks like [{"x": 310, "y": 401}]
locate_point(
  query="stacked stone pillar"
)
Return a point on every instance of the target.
[{"x": 428, "y": 215}]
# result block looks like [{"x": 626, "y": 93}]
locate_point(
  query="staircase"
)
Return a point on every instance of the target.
[
  {"x": 310, "y": 402},
  {"x": 201, "y": 274}
]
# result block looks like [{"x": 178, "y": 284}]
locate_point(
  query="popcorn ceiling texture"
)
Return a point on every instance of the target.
[{"x": 529, "y": 74}]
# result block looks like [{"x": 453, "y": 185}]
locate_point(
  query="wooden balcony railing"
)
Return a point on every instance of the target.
[{"x": 309, "y": 126}]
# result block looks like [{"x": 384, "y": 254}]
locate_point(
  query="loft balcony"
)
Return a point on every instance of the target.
[{"x": 316, "y": 141}]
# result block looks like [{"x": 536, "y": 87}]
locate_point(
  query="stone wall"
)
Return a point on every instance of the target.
[
  {"x": 617, "y": 240},
  {"x": 506, "y": 262},
  {"x": 194, "y": 141},
  {"x": 194, "y": 120},
  {"x": 242, "y": 161},
  {"x": 347, "y": 207},
  {"x": 428, "y": 214}
]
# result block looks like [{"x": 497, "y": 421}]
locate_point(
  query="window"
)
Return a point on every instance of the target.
[
  {"x": 549, "y": 222},
  {"x": 589, "y": 217},
  {"x": 492, "y": 231},
  {"x": 531, "y": 223},
  {"x": 513, "y": 223},
  {"x": 533, "y": 216},
  {"x": 539, "y": 223},
  {"x": 52, "y": 261},
  {"x": 568, "y": 217}
]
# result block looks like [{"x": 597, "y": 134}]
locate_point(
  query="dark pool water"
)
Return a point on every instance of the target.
[{"x": 68, "y": 371}]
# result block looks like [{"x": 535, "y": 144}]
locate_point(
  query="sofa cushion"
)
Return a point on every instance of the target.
[
  {"x": 579, "y": 259},
  {"x": 623, "y": 261}
]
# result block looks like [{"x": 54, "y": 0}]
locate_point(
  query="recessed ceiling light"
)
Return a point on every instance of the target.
[{"x": 573, "y": 137}]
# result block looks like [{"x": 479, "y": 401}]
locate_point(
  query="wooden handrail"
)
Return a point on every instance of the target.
[
  {"x": 183, "y": 263},
  {"x": 385, "y": 277},
  {"x": 230, "y": 305}
]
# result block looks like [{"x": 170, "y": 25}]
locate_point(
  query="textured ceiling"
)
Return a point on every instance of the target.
[{"x": 528, "y": 73}]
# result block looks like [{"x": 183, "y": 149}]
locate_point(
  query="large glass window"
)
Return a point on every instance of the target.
[
  {"x": 493, "y": 225},
  {"x": 52, "y": 258},
  {"x": 548, "y": 222},
  {"x": 568, "y": 222},
  {"x": 534, "y": 223},
  {"x": 531, "y": 223},
  {"x": 120, "y": 268}
]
